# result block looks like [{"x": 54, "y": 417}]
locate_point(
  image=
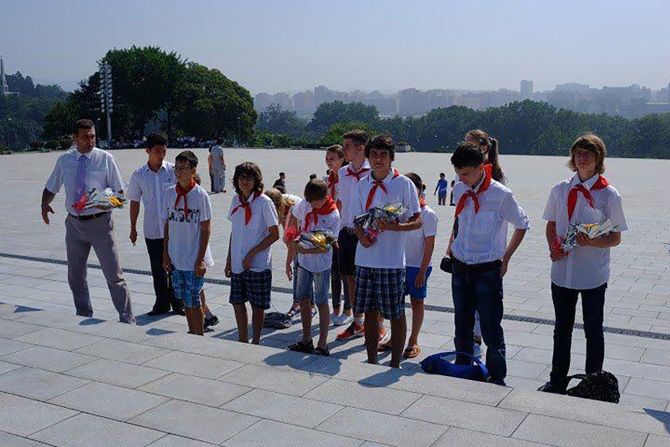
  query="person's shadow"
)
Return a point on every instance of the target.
[{"x": 662, "y": 416}]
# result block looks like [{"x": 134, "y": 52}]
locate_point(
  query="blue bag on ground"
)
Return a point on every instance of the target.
[{"x": 440, "y": 364}]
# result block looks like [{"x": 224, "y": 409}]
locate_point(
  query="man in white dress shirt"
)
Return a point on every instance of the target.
[
  {"x": 148, "y": 185},
  {"x": 79, "y": 169}
]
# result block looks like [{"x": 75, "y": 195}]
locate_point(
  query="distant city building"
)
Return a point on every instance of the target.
[
  {"x": 526, "y": 89},
  {"x": 5, "y": 87}
]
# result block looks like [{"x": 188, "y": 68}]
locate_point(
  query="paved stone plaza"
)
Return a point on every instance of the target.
[{"x": 71, "y": 381}]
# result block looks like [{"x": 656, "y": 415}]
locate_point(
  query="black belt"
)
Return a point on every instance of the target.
[
  {"x": 483, "y": 267},
  {"x": 88, "y": 216}
]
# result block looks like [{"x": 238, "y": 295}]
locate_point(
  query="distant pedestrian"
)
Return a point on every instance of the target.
[
  {"x": 441, "y": 190},
  {"x": 217, "y": 167},
  {"x": 280, "y": 183}
]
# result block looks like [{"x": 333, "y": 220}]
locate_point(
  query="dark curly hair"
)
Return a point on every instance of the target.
[{"x": 248, "y": 169}]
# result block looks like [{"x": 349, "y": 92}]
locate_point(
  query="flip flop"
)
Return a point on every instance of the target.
[
  {"x": 381, "y": 347},
  {"x": 305, "y": 348},
  {"x": 293, "y": 312},
  {"x": 412, "y": 352}
]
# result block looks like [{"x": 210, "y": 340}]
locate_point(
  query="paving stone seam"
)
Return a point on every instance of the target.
[{"x": 430, "y": 307}]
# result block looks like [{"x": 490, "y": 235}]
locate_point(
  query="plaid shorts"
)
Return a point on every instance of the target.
[
  {"x": 251, "y": 286},
  {"x": 380, "y": 290},
  {"x": 187, "y": 287}
]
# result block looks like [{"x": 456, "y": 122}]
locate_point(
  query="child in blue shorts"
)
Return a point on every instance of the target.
[
  {"x": 188, "y": 213},
  {"x": 419, "y": 245},
  {"x": 317, "y": 212}
]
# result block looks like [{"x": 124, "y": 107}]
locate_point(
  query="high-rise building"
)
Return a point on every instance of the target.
[
  {"x": 5, "y": 87},
  {"x": 526, "y": 89}
]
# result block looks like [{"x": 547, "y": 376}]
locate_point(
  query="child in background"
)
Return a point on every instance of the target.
[{"x": 441, "y": 190}]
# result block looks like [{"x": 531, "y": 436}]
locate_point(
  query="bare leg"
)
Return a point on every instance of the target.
[
  {"x": 197, "y": 321},
  {"x": 417, "y": 321},
  {"x": 398, "y": 334},
  {"x": 372, "y": 335},
  {"x": 242, "y": 322},
  {"x": 324, "y": 323},
  {"x": 351, "y": 286},
  {"x": 257, "y": 317},
  {"x": 306, "y": 317}
]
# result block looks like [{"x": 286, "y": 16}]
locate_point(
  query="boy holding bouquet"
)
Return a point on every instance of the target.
[
  {"x": 317, "y": 212},
  {"x": 586, "y": 198},
  {"x": 380, "y": 261}
]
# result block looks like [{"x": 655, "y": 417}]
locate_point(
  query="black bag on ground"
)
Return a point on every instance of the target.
[
  {"x": 277, "y": 320},
  {"x": 599, "y": 385}
]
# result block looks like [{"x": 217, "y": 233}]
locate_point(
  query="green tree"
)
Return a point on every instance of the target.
[
  {"x": 329, "y": 113},
  {"x": 277, "y": 120}
]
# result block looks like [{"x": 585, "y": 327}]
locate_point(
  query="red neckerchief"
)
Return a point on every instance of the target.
[
  {"x": 358, "y": 174},
  {"x": 601, "y": 183},
  {"x": 328, "y": 207},
  {"x": 333, "y": 179},
  {"x": 182, "y": 192},
  {"x": 378, "y": 184},
  {"x": 422, "y": 202},
  {"x": 246, "y": 205},
  {"x": 488, "y": 167},
  {"x": 464, "y": 198}
]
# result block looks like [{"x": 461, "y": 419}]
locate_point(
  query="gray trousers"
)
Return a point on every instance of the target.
[
  {"x": 218, "y": 179},
  {"x": 80, "y": 236}
]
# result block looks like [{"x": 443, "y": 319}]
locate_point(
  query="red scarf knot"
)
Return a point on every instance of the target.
[
  {"x": 358, "y": 174},
  {"x": 328, "y": 207},
  {"x": 378, "y": 184},
  {"x": 471, "y": 194},
  {"x": 601, "y": 183},
  {"x": 244, "y": 203},
  {"x": 183, "y": 192}
]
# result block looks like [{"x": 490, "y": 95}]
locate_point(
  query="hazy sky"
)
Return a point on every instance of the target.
[{"x": 281, "y": 45}]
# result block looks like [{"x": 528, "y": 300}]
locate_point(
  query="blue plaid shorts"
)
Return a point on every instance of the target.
[
  {"x": 251, "y": 286},
  {"x": 380, "y": 290},
  {"x": 187, "y": 287}
]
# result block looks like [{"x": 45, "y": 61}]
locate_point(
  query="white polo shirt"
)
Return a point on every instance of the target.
[
  {"x": 584, "y": 267},
  {"x": 244, "y": 236},
  {"x": 184, "y": 230},
  {"x": 316, "y": 263},
  {"x": 482, "y": 236},
  {"x": 415, "y": 239},
  {"x": 101, "y": 172},
  {"x": 217, "y": 157},
  {"x": 345, "y": 190},
  {"x": 150, "y": 187},
  {"x": 388, "y": 251}
]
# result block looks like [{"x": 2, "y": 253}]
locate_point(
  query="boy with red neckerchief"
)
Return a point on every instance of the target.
[
  {"x": 481, "y": 254},
  {"x": 584, "y": 199},
  {"x": 186, "y": 253},
  {"x": 255, "y": 228},
  {"x": 317, "y": 212},
  {"x": 380, "y": 262},
  {"x": 348, "y": 177}
]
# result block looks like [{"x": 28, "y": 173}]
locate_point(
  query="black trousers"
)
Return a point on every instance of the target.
[
  {"x": 565, "y": 303},
  {"x": 164, "y": 293}
]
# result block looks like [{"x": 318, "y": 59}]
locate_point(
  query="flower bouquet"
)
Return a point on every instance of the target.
[
  {"x": 94, "y": 198},
  {"x": 369, "y": 221},
  {"x": 322, "y": 239},
  {"x": 593, "y": 231}
]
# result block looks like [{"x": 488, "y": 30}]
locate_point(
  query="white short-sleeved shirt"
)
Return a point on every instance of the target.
[
  {"x": 150, "y": 187},
  {"x": 482, "y": 236},
  {"x": 101, "y": 172},
  {"x": 415, "y": 239},
  {"x": 184, "y": 230},
  {"x": 345, "y": 190},
  {"x": 584, "y": 267},
  {"x": 388, "y": 251},
  {"x": 316, "y": 263},
  {"x": 244, "y": 236},
  {"x": 217, "y": 157}
]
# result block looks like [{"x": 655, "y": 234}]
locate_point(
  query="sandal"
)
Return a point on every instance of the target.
[
  {"x": 305, "y": 348},
  {"x": 381, "y": 347},
  {"x": 292, "y": 312},
  {"x": 322, "y": 351},
  {"x": 412, "y": 352}
]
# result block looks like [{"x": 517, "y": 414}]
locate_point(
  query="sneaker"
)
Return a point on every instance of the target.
[
  {"x": 211, "y": 321},
  {"x": 301, "y": 346},
  {"x": 549, "y": 388},
  {"x": 477, "y": 351},
  {"x": 500, "y": 382},
  {"x": 342, "y": 319},
  {"x": 156, "y": 312},
  {"x": 384, "y": 336},
  {"x": 354, "y": 330}
]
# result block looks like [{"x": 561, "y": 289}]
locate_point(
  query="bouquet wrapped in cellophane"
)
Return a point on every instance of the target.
[
  {"x": 369, "y": 221},
  {"x": 105, "y": 199},
  {"x": 593, "y": 231},
  {"x": 322, "y": 239}
]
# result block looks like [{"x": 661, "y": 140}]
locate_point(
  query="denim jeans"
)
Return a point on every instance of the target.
[
  {"x": 480, "y": 291},
  {"x": 565, "y": 303}
]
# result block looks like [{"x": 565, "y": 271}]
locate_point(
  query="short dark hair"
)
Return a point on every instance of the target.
[
  {"x": 416, "y": 180},
  {"x": 155, "y": 139},
  {"x": 248, "y": 169},
  {"x": 188, "y": 156},
  {"x": 219, "y": 141},
  {"x": 384, "y": 142},
  {"x": 359, "y": 137},
  {"x": 442, "y": 174},
  {"x": 467, "y": 155},
  {"x": 336, "y": 149},
  {"x": 312, "y": 176},
  {"x": 316, "y": 190},
  {"x": 282, "y": 174},
  {"x": 82, "y": 124}
]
